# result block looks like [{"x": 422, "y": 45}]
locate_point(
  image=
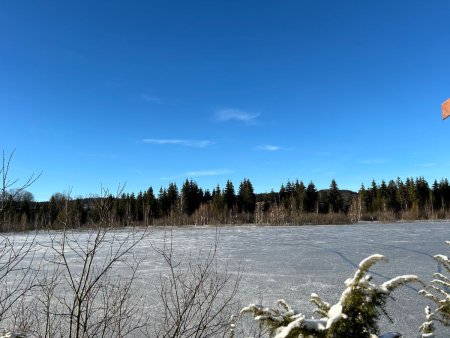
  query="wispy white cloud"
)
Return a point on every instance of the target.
[
  {"x": 151, "y": 98},
  {"x": 184, "y": 143},
  {"x": 269, "y": 147},
  {"x": 215, "y": 172},
  {"x": 375, "y": 161},
  {"x": 426, "y": 165},
  {"x": 200, "y": 173},
  {"x": 224, "y": 115}
]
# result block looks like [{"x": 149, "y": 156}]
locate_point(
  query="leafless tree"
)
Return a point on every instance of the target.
[
  {"x": 91, "y": 298},
  {"x": 17, "y": 273},
  {"x": 87, "y": 284},
  {"x": 11, "y": 187},
  {"x": 197, "y": 299},
  {"x": 17, "y": 253}
]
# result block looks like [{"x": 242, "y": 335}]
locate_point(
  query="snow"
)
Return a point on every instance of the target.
[
  {"x": 398, "y": 281},
  {"x": 4, "y": 333},
  {"x": 390, "y": 335},
  {"x": 335, "y": 314},
  {"x": 442, "y": 258},
  {"x": 301, "y": 321},
  {"x": 291, "y": 262}
]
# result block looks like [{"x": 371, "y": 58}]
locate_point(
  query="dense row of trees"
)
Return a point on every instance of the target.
[
  {"x": 294, "y": 203},
  {"x": 412, "y": 199}
]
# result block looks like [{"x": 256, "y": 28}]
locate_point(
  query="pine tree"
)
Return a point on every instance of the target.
[
  {"x": 218, "y": 200},
  {"x": 374, "y": 207},
  {"x": 207, "y": 197},
  {"x": 335, "y": 199},
  {"x": 229, "y": 196},
  {"x": 300, "y": 195},
  {"x": 445, "y": 194},
  {"x": 191, "y": 197},
  {"x": 401, "y": 194},
  {"x": 140, "y": 207},
  {"x": 246, "y": 197},
  {"x": 356, "y": 314},
  {"x": 362, "y": 194},
  {"x": 411, "y": 197},
  {"x": 133, "y": 207},
  {"x": 391, "y": 199},
  {"x": 436, "y": 196},
  {"x": 152, "y": 204},
  {"x": 283, "y": 196},
  {"x": 422, "y": 196},
  {"x": 172, "y": 196},
  {"x": 311, "y": 198},
  {"x": 382, "y": 196},
  {"x": 163, "y": 202}
]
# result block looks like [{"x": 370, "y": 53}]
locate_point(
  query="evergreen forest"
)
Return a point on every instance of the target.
[{"x": 294, "y": 203}]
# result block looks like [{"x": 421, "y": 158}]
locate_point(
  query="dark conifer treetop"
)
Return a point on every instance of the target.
[{"x": 294, "y": 203}]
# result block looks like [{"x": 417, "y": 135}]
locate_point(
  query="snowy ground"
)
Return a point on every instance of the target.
[{"x": 292, "y": 262}]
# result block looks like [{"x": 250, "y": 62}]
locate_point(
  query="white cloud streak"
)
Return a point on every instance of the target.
[
  {"x": 200, "y": 173},
  {"x": 426, "y": 165},
  {"x": 224, "y": 115},
  {"x": 269, "y": 147},
  {"x": 375, "y": 161},
  {"x": 215, "y": 172},
  {"x": 184, "y": 143},
  {"x": 151, "y": 98}
]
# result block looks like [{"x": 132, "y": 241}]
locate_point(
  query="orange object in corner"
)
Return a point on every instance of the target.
[{"x": 446, "y": 109}]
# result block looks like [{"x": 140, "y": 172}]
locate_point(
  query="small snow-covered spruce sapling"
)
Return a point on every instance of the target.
[
  {"x": 427, "y": 328},
  {"x": 356, "y": 314},
  {"x": 438, "y": 290}
]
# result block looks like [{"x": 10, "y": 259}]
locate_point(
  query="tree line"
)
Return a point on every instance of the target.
[{"x": 293, "y": 203}]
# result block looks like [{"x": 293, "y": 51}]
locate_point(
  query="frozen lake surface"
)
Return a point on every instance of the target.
[{"x": 291, "y": 262}]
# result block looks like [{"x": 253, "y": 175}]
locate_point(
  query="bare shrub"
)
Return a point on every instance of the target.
[
  {"x": 86, "y": 280},
  {"x": 197, "y": 299},
  {"x": 86, "y": 288},
  {"x": 17, "y": 273},
  {"x": 10, "y": 188}
]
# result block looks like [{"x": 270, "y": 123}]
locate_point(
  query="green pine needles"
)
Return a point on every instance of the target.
[
  {"x": 356, "y": 314},
  {"x": 438, "y": 291}
]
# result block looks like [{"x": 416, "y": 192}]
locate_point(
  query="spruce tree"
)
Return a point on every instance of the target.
[
  {"x": 436, "y": 196},
  {"x": 355, "y": 315},
  {"x": 312, "y": 198},
  {"x": 163, "y": 202},
  {"x": 401, "y": 195},
  {"x": 152, "y": 205},
  {"x": 335, "y": 199},
  {"x": 422, "y": 196},
  {"x": 300, "y": 195},
  {"x": 172, "y": 196},
  {"x": 191, "y": 197},
  {"x": 246, "y": 197},
  {"x": 229, "y": 195},
  {"x": 445, "y": 194},
  {"x": 392, "y": 203}
]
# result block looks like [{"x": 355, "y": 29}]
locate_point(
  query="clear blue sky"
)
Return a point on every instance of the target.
[{"x": 147, "y": 92}]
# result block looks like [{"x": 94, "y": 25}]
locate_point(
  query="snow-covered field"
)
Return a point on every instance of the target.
[{"x": 292, "y": 262}]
